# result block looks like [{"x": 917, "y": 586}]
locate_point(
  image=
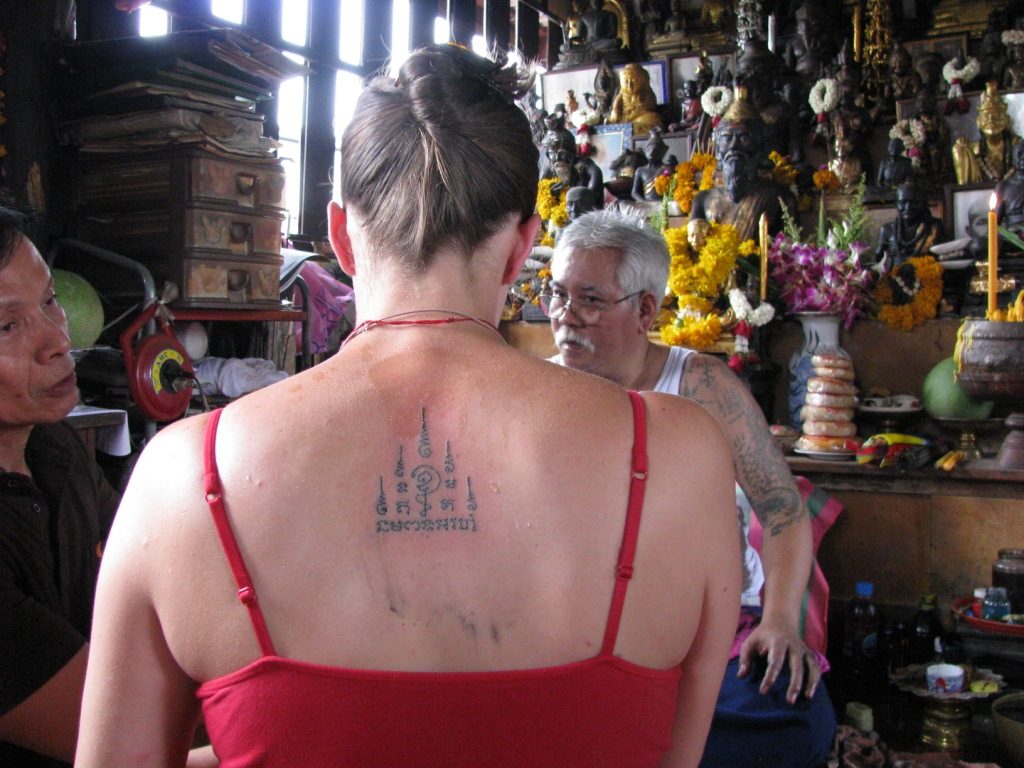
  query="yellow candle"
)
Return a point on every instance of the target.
[
  {"x": 762, "y": 228},
  {"x": 993, "y": 257},
  {"x": 857, "y": 44}
]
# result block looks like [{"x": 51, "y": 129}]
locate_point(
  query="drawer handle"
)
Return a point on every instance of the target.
[
  {"x": 246, "y": 183},
  {"x": 238, "y": 280},
  {"x": 240, "y": 232}
]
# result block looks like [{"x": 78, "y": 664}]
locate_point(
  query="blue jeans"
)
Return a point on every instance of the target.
[{"x": 754, "y": 729}]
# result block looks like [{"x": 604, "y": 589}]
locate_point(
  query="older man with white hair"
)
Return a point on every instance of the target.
[{"x": 609, "y": 274}]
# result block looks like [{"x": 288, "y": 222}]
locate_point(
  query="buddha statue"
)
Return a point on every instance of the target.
[
  {"x": 991, "y": 157},
  {"x": 635, "y": 102},
  {"x": 758, "y": 70},
  {"x": 591, "y": 36},
  {"x": 894, "y": 170},
  {"x": 690, "y": 109},
  {"x": 904, "y": 82}
]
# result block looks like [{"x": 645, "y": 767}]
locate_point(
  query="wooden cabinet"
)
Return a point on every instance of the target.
[{"x": 209, "y": 224}]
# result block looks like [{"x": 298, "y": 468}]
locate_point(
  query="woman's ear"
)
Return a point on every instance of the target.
[
  {"x": 526, "y": 234},
  {"x": 337, "y": 233}
]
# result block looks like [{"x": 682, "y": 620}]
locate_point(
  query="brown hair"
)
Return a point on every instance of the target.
[{"x": 441, "y": 155}]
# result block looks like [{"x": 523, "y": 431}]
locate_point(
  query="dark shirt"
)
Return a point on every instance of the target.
[{"x": 52, "y": 529}]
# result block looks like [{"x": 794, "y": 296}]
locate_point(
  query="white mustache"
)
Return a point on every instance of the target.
[{"x": 564, "y": 334}]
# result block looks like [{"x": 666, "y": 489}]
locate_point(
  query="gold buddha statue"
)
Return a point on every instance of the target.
[
  {"x": 991, "y": 157},
  {"x": 635, "y": 102}
]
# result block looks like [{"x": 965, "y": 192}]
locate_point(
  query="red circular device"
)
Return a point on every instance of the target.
[{"x": 160, "y": 361}]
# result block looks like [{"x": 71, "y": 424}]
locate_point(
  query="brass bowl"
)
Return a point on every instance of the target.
[
  {"x": 990, "y": 366},
  {"x": 990, "y": 360}
]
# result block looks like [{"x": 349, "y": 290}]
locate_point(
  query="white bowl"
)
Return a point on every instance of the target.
[{"x": 945, "y": 678}]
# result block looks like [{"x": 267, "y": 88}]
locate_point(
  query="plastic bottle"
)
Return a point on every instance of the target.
[
  {"x": 996, "y": 605},
  {"x": 860, "y": 644},
  {"x": 926, "y": 628}
]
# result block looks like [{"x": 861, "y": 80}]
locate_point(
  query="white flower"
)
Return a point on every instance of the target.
[
  {"x": 716, "y": 100},
  {"x": 910, "y": 131},
  {"x": 743, "y": 311},
  {"x": 824, "y": 96},
  {"x": 1013, "y": 37},
  {"x": 965, "y": 75}
]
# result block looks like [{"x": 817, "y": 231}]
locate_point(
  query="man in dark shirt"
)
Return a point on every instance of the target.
[{"x": 55, "y": 511}]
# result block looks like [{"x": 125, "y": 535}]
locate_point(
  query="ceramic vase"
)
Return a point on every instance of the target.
[{"x": 821, "y": 336}]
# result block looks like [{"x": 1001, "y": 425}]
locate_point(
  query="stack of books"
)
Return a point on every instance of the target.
[{"x": 197, "y": 89}]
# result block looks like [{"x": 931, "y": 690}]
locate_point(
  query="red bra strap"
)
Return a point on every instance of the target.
[
  {"x": 637, "y": 486},
  {"x": 211, "y": 482}
]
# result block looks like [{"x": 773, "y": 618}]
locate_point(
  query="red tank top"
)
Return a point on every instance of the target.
[{"x": 603, "y": 711}]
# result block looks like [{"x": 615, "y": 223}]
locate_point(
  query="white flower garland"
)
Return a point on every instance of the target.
[
  {"x": 716, "y": 100},
  {"x": 1013, "y": 37},
  {"x": 824, "y": 96},
  {"x": 743, "y": 311},
  {"x": 910, "y": 131},
  {"x": 965, "y": 75}
]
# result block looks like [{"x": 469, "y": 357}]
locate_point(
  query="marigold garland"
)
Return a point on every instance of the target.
[
  {"x": 693, "y": 332},
  {"x": 551, "y": 207},
  {"x": 662, "y": 182},
  {"x": 926, "y": 292},
  {"x": 826, "y": 180},
  {"x": 697, "y": 281},
  {"x": 783, "y": 171},
  {"x": 696, "y": 174}
]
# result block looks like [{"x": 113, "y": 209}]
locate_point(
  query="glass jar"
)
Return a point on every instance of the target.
[
  {"x": 996, "y": 605},
  {"x": 1008, "y": 571}
]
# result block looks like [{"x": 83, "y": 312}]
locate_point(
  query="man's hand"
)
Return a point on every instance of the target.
[{"x": 776, "y": 642}]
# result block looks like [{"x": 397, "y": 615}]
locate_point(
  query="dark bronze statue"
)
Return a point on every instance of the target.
[{"x": 913, "y": 231}]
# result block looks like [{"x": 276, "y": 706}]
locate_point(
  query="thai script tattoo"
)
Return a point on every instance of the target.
[{"x": 428, "y": 498}]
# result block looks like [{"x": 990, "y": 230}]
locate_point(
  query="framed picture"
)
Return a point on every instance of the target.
[
  {"x": 555, "y": 86},
  {"x": 685, "y": 68},
  {"x": 610, "y": 141},
  {"x": 966, "y": 209},
  {"x": 946, "y": 46},
  {"x": 966, "y": 124},
  {"x": 679, "y": 144}
]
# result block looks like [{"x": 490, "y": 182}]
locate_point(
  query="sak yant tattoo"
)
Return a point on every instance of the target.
[{"x": 430, "y": 498}]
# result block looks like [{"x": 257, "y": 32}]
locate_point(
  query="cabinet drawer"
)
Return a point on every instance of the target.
[
  {"x": 180, "y": 178},
  {"x": 174, "y": 235},
  {"x": 210, "y": 281}
]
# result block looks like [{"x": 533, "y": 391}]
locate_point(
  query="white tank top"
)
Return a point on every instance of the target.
[{"x": 668, "y": 383}]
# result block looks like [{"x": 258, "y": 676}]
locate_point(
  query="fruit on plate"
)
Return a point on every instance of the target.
[{"x": 944, "y": 398}]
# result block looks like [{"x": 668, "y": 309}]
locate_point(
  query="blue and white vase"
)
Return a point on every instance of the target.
[{"x": 821, "y": 337}]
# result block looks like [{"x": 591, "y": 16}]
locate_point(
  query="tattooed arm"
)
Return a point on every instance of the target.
[{"x": 787, "y": 551}]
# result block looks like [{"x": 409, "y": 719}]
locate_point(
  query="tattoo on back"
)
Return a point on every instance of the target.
[{"x": 430, "y": 498}]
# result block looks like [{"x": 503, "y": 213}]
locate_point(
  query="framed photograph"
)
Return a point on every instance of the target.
[
  {"x": 946, "y": 46},
  {"x": 966, "y": 124},
  {"x": 685, "y": 68},
  {"x": 679, "y": 144},
  {"x": 610, "y": 141},
  {"x": 966, "y": 209}
]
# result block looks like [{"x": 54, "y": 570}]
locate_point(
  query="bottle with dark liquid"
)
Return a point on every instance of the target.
[
  {"x": 926, "y": 628},
  {"x": 861, "y": 663},
  {"x": 1008, "y": 572}
]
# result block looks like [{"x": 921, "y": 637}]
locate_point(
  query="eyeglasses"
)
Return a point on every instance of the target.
[{"x": 587, "y": 308}]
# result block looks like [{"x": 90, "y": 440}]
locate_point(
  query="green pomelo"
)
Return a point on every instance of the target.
[
  {"x": 944, "y": 398},
  {"x": 82, "y": 305}
]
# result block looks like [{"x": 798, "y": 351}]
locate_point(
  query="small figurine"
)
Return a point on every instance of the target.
[
  {"x": 895, "y": 169},
  {"x": 591, "y": 36},
  {"x": 645, "y": 176},
  {"x": 1013, "y": 75},
  {"x": 1010, "y": 194},
  {"x": 913, "y": 231},
  {"x": 690, "y": 109}
]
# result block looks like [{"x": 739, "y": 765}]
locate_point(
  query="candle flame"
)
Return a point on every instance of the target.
[{"x": 993, "y": 202}]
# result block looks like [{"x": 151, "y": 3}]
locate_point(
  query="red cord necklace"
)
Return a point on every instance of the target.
[{"x": 395, "y": 320}]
